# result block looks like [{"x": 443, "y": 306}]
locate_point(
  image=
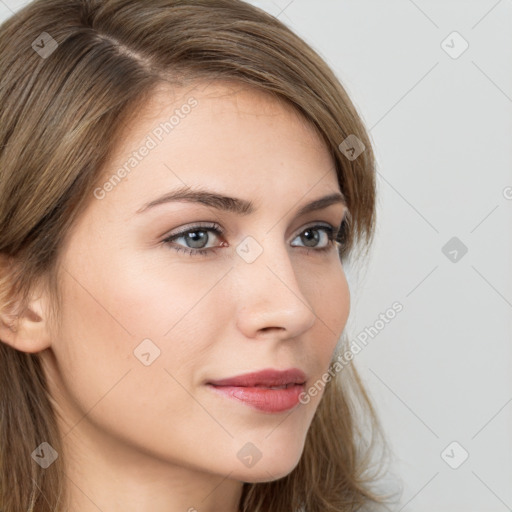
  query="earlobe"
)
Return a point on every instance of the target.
[{"x": 26, "y": 331}]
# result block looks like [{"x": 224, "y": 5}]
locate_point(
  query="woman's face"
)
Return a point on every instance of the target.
[{"x": 146, "y": 326}]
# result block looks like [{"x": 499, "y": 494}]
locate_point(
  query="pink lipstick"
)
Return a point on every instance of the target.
[{"x": 267, "y": 390}]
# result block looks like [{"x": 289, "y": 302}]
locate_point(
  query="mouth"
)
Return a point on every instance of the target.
[{"x": 268, "y": 390}]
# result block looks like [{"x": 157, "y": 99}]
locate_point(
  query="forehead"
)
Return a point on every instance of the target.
[
  {"x": 205, "y": 109},
  {"x": 222, "y": 134}
]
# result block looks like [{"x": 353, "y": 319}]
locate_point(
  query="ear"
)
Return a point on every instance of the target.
[{"x": 26, "y": 329}]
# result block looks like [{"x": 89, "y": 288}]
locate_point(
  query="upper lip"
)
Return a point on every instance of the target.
[{"x": 266, "y": 378}]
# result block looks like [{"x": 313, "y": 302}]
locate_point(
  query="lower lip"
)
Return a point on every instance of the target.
[{"x": 263, "y": 399}]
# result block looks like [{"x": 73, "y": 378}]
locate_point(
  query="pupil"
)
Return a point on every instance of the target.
[
  {"x": 310, "y": 239},
  {"x": 197, "y": 239}
]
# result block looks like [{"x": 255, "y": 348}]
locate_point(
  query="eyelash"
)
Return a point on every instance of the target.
[{"x": 332, "y": 235}]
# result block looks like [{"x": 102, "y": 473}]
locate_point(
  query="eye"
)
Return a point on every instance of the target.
[
  {"x": 319, "y": 238},
  {"x": 197, "y": 237},
  {"x": 319, "y": 235}
]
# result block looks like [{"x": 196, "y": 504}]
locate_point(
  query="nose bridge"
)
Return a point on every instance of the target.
[{"x": 268, "y": 291}]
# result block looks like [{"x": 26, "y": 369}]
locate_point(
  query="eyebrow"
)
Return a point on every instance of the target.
[{"x": 234, "y": 204}]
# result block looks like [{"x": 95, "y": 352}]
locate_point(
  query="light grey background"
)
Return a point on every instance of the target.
[{"x": 441, "y": 370}]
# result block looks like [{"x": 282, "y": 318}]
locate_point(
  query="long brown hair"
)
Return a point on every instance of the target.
[{"x": 72, "y": 73}]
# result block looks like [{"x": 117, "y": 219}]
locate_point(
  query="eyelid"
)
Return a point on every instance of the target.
[{"x": 194, "y": 226}]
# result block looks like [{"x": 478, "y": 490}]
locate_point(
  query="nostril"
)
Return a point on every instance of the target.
[{"x": 265, "y": 329}]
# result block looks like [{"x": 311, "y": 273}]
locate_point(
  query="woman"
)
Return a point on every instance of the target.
[{"x": 180, "y": 182}]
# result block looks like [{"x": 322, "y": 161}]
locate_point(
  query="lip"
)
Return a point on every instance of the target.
[
  {"x": 265, "y": 378},
  {"x": 254, "y": 389}
]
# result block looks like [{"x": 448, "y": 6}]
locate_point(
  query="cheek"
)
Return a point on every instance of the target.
[
  {"x": 331, "y": 303},
  {"x": 118, "y": 317},
  {"x": 107, "y": 317},
  {"x": 329, "y": 296},
  {"x": 337, "y": 299},
  {"x": 155, "y": 297},
  {"x": 332, "y": 306}
]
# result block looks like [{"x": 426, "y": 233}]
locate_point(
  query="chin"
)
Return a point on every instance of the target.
[
  {"x": 264, "y": 476},
  {"x": 269, "y": 470}
]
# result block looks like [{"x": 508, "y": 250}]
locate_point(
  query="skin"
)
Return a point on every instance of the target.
[{"x": 155, "y": 438}]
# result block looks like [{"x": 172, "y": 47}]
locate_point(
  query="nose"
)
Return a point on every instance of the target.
[{"x": 270, "y": 301}]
